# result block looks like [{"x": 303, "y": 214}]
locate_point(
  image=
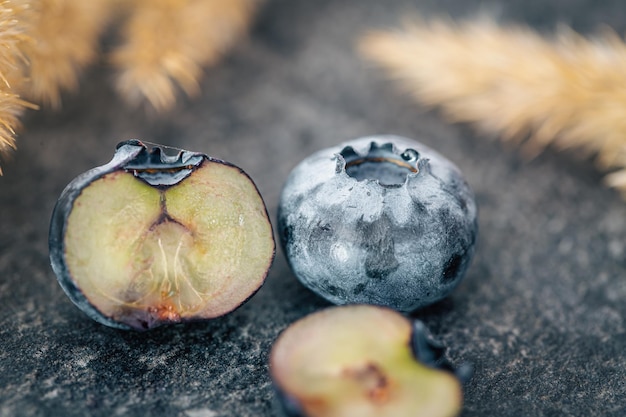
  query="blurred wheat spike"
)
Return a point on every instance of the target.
[
  {"x": 45, "y": 44},
  {"x": 63, "y": 39},
  {"x": 169, "y": 41},
  {"x": 12, "y": 33},
  {"x": 567, "y": 91}
]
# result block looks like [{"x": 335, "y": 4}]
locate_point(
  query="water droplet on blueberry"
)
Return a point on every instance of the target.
[{"x": 410, "y": 155}]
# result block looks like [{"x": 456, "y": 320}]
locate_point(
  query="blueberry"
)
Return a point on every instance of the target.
[
  {"x": 380, "y": 220},
  {"x": 362, "y": 360},
  {"x": 151, "y": 239}
]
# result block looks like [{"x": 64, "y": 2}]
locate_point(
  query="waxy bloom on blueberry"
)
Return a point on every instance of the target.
[
  {"x": 379, "y": 220},
  {"x": 151, "y": 239}
]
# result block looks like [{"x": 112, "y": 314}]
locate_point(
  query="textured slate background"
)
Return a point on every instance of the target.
[{"x": 541, "y": 313}]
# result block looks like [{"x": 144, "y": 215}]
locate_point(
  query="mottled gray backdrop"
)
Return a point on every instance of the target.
[{"x": 541, "y": 313}]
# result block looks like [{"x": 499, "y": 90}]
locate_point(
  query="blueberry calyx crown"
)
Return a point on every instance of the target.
[
  {"x": 157, "y": 168},
  {"x": 383, "y": 163}
]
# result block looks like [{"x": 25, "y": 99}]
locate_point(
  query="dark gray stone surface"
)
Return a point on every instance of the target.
[{"x": 541, "y": 312}]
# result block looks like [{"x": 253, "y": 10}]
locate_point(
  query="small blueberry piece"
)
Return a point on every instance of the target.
[{"x": 380, "y": 220}]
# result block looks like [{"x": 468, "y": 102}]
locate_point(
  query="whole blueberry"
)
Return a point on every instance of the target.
[{"x": 380, "y": 220}]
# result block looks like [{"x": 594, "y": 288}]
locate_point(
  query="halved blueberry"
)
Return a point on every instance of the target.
[{"x": 151, "y": 239}]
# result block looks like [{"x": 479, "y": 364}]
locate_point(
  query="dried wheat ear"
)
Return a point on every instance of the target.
[{"x": 567, "y": 91}]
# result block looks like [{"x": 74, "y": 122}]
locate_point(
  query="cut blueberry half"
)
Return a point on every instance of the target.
[
  {"x": 380, "y": 220},
  {"x": 360, "y": 361},
  {"x": 150, "y": 239}
]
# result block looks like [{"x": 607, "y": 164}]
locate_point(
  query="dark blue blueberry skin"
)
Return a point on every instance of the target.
[{"x": 379, "y": 220}]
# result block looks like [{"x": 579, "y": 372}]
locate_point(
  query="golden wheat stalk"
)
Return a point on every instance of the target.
[
  {"x": 12, "y": 34},
  {"x": 568, "y": 91},
  {"x": 64, "y": 40},
  {"x": 169, "y": 41}
]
